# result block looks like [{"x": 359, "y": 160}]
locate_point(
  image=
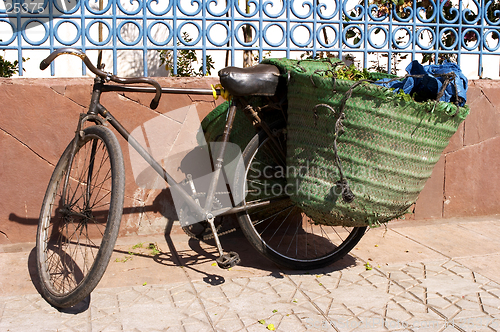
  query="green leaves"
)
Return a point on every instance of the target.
[
  {"x": 185, "y": 60},
  {"x": 7, "y": 68},
  {"x": 403, "y": 96},
  {"x": 351, "y": 73},
  {"x": 350, "y": 34}
]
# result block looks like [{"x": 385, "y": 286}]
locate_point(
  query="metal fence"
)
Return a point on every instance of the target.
[{"x": 380, "y": 33}]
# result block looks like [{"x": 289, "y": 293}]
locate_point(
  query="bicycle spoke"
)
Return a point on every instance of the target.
[
  {"x": 95, "y": 206},
  {"x": 107, "y": 177},
  {"x": 296, "y": 243},
  {"x": 284, "y": 219}
]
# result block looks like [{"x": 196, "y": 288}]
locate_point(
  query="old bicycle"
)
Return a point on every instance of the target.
[{"x": 82, "y": 208}]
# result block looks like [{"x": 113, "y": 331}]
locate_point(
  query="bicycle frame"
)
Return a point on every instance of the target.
[
  {"x": 97, "y": 113},
  {"x": 204, "y": 213}
]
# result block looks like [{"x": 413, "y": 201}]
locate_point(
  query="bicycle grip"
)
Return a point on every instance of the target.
[
  {"x": 154, "y": 104},
  {"x": 44, "y": 65}
]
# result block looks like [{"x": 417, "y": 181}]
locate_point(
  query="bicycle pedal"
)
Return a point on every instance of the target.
[{"x": 228, "y": 260}]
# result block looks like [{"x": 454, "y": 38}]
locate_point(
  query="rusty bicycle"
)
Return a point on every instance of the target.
[{"x": 82, "y": 208}]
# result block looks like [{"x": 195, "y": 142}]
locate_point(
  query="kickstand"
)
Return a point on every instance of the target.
[{"x": 225, "y": 261}]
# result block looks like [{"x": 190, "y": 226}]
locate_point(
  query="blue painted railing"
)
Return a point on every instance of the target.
[{"x": 430, "y": 29}]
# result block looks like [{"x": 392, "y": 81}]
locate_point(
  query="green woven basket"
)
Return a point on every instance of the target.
[
  {"x": 213, "y": 126},
  {"x": 387, "y": 152}
]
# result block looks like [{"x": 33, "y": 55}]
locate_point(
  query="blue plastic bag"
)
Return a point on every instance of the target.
[{"x": 428, "y": 86}]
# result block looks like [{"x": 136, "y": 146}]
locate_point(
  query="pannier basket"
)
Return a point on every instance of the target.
[
  {"x": 213, "y": 126},
  {"x": 357, "y": 153}
]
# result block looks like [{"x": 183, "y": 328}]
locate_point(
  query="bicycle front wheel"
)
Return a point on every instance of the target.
[
  {"x": 80, "y": 217},
  {"x": 281, "y": 231}
]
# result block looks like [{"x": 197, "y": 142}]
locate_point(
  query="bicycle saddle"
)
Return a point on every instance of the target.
[{"x": 259, "y": 80}]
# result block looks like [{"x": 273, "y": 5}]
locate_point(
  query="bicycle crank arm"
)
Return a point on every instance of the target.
[{"x": 225, "y": 261}]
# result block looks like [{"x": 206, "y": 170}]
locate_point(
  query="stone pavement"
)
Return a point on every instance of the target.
[{"x": 441, "y": 275}]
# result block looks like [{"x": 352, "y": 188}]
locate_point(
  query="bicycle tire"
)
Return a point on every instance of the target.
[
  {"x": 273, "y": 229},
  {"x": 79, "y": 223}
]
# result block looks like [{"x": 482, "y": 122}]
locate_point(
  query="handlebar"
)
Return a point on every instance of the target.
[{"x": 107, "y": 76}]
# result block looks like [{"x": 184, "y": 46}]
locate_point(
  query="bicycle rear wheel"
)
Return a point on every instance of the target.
[
  {"x": 80, "y": 217},
  {"x": 281, "y": 231}
]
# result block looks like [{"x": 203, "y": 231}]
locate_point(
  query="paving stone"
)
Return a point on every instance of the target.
[
  {"x": 195, "y": 327},
  {"x": 407, "y": 284},
  {"x": 413, "y": 307},
  {"x": 449, "y": 312},
  {"x": 400, "y": 276},
  {"x": 210, "y": 292},
  {"x": 397, "y": 311},
  {"x": 449, "y": 264},
  {"x": 490, "y": 301},
  {"x": 395, "y": 289},
  {"x": 494, "y": 291},
  {"x": 492, "y": 285},
  {"x": 453, "y": 298},
  {"x": 470, "y": 305},
  {"x": 346, "y": 323},
  {"x": 128, "y": 296},
  {"x": 303, "y": 306},
  {"x": 106, "y": 323},
  {"x": 255, "y": 328},
  {"x": 493, "y": 324},
  {"x": 103, "y": 299},
  {"x": 431, "y": 295},
  {"x": 418, "y": 292},
  {"x": 399, "y": 296},
  {"x": 232, "y": 289},
  {"x": 439, "y": 303},
  {"x": 357, "y": 311},
  {"x": 434, "y": 267},
  {"x": 450, "y": 329},
  {"x": 361, "y": 296},
  {"x": 329, "y": 283},
  {"x": 423, "y": 319},
  {"x": 491, "y": 311},
  {"x": 414, "y": 270},
  {"x": 482, "y": 280},
  {"x": 324, "y": 303},
  {"x": 462, "y": 271},
  {"x": 474, "y": 323},
  {"x": 228, "y": 323},
  {"x": 449, "y": 285},
  {"x": 104, "y": 316},
  {"x": 304, "y": 323},
  {"x": 30, "y": 321},
  {"x": 377, "y": 279},
  {"x": 363, "y": 282},
  {"x": 314, "y": 292}
]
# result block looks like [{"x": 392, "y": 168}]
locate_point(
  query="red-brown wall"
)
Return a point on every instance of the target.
[
  {"x": 39, "y": 116},
  {"x": 466, "y": 180}
]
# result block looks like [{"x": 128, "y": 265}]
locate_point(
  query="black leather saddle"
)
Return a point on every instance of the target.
[{"x": 259, "y": 80}]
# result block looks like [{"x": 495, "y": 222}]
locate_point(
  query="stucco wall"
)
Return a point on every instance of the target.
[{"x": 39, "y": 116}]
